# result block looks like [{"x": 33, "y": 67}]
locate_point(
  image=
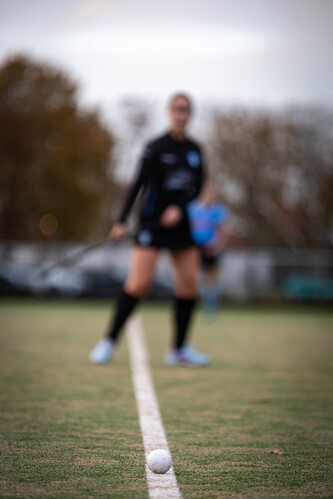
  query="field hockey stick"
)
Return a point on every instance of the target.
[
  {"x": 78, "y": 254},
  {"x": 72, "y": 257}
]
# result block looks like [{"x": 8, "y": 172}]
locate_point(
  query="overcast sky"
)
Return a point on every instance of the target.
[{"x": 248, "y": 52}]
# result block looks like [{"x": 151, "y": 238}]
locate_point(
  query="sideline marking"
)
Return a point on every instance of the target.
[{"x": 153, "y": 434}]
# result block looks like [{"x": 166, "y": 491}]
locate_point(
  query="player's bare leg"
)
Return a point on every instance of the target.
[
  {"x": 142, "y": 266},
  {"x": 210, "y": 295}
]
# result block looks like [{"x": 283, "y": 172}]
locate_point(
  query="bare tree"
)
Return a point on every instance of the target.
[{"x": 274, "y": 171}]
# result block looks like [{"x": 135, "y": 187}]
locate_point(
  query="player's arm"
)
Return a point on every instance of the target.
[
  {"x": 222, "y": 235},
  {"x": 118, "y": 231}
]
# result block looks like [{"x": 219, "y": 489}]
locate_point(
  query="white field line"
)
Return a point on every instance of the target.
[{"x": 153, "y": 434}]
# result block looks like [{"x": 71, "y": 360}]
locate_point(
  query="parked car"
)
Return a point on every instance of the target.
[{"x": 19, "y": 279}]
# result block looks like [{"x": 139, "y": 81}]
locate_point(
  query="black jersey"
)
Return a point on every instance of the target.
[{"x": 171, "y": 172}]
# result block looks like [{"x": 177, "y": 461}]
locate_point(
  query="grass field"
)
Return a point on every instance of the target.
[{"x": 70, "y": 429}]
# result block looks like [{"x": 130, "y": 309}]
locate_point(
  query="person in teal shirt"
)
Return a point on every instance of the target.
[{"x": 209, "y": 227}]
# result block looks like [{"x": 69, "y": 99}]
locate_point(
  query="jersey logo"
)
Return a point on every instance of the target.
[
  {"x": 168, "y": 159},
  {"x": 193, "y": 158},
  {"x": 145, "y": 237},
  {"x": 178, "y": 180}
]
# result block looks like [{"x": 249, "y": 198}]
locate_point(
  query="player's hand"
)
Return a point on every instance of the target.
[
  {"x": 118, "y": 232},
  {"x": 171, "y": 216}
]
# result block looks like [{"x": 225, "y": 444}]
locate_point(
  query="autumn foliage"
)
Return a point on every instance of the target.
[{"x": 56, "y": 168}]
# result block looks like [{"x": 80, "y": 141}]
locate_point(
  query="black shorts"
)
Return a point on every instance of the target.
[
  {"x": 208, "y": 261},
  {"x": 175, "y": 238}
]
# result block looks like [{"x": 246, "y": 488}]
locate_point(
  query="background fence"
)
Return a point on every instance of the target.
[{"x": 245, "y": 275}]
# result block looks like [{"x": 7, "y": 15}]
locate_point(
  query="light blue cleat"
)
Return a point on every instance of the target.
[
  {"x": 102, "y": 352},
  {"x": 187, "y": 356}
]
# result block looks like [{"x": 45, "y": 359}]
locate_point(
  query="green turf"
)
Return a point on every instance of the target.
[{"x": 70, "y": 429}]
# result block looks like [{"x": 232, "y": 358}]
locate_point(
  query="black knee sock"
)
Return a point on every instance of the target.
[
  {"x": 183, "y": 312},
  {"x": 125, "y": 306}
]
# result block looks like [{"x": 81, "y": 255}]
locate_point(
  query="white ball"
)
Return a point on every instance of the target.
[{"x": 159, "y": 461}]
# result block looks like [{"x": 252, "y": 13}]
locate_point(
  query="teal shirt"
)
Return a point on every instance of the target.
[{"x": 205, "y": 221}]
